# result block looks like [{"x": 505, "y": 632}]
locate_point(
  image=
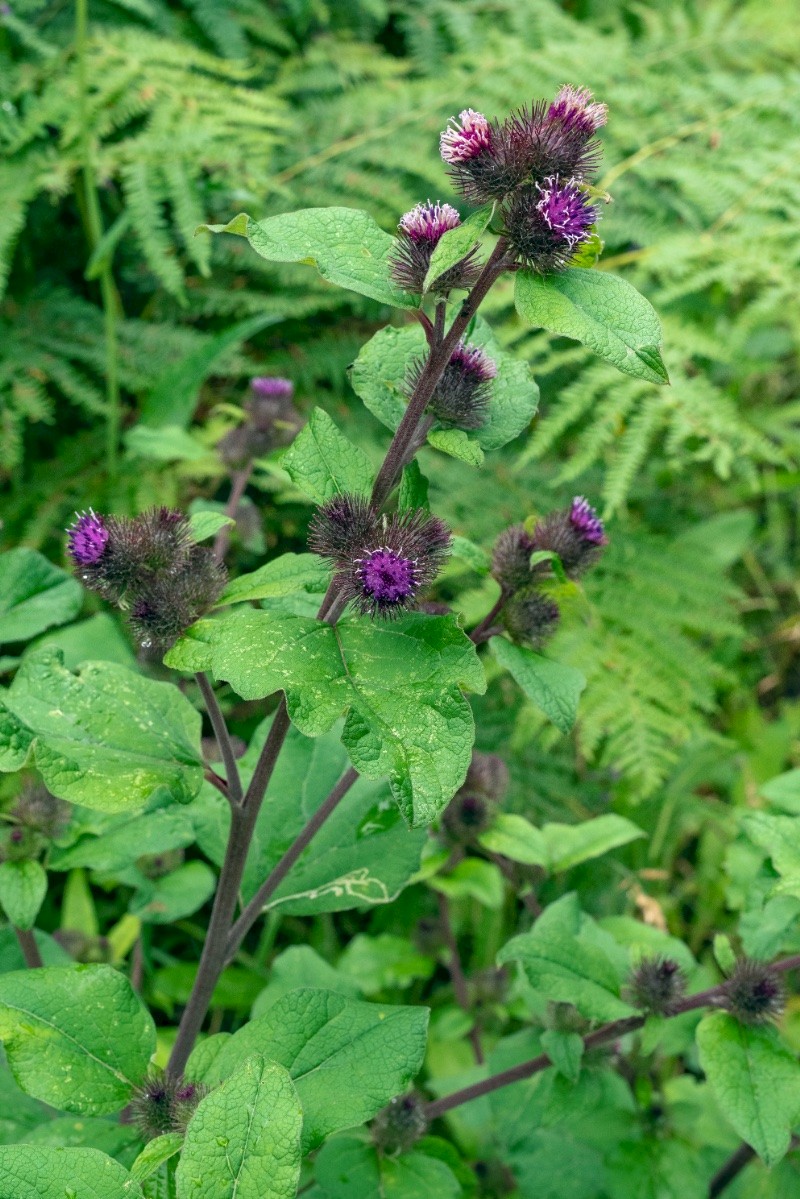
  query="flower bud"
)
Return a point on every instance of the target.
[
  {"x": 382, "y": 562},
  {"x": 157, "y": 865},
  {"x": 40, "y": 812},
  {"x": 487, "y": 775},
  {"x": 495, "y": 1178},
  {"x": 754, "y": 992},
  {"x": 464, "y": 391},
  {"x": 466, "y": 817},
  {"x": 511, "y": 558},
  {"x": 655, "y": 985},
  {"x": 399, "y": 1125},
  {"x": 462, "y": 396},
  {"x": 531, "y": 617},
  {"x": 418, "y": 235},
  {"x": 576, "y": 534},
  {"x": 547, "y": 222},
  {"x": 271, "y": 420},
  {"x": 163, "y": 1104}
]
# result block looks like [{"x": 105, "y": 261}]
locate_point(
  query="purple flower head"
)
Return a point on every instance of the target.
[
  {"x": 463, "y": 394},
  {"x": 566, "y": 209},
  {"x": 576, "y": 534},
  {"x": 88, "y": 538},
  {"x": 162, "y": 1104},
  {"x": 573, "y": 107},
  {"x": 584, "y": 518},
  {"x": 419, "y": 232},
  {"x": 466, "y": 138},
  {"x": 473, "y": 360},
  {"x": 272, "y": 385},
  {"x": 381, "y": 562},
  {"x": 387, "y": 578},
  {"x": 428, "y": 222},
  {"x": 547, "y": 222}
]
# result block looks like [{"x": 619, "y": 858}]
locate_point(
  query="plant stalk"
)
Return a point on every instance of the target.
[
  {"x": 457, "y": 974},
  {"x": 223, "y": 739},
  {"x": 30, "y": 950}
]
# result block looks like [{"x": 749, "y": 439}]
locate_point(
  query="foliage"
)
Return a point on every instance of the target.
[{"x": 441, "y": 917}]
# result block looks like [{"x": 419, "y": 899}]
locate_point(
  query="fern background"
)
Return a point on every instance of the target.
[{"x": 689, "y": 632}]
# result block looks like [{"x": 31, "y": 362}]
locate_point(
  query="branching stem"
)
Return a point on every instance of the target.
[
  {"x": 601, "y": 1036},
  {"x": 219, "y": 943}
]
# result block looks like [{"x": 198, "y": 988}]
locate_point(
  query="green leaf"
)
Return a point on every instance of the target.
[
  {"x": 475, "y": 879},
  {"x": 345, "y": 245},
  {"x": 413, "y": 490},
  {"x": 383, "y": 962},
  {"x": 569, "y": 844},
  {"x": 302, "y": 966},
  {"x": 111, "y": 850},
  {"x": 282, "y": 576},
  {"x": 457, "y": 243},
  {"x": 176, "y": 895},
  {"x": 517, "y": 839},
  {"x": 363, "y": 854},
  {"x": 347, "y": 1058},
  {"x": 564, "y": 960},
  {"x": 174, "y": 396},
  {"x": 106, "y": 738},
  {"x": 755, "y": 1080},
  {"x": 76, "y": 1037},
  {"x": 604, "y": 312},
  {"x": 457, "y": 444},
  {"x": 159, "y": 1150},
  {"x": 97, "y": 639},
  {"x": 23, "y": 886},
  {"x": 205, "y": 524},
  {"x": 243, "y": 1141},
  {"x": 379, "y": 376},
  {"x": 34, "y": 595},
  {"x": 778, "y": 836},
  {"x": 399, "y": 683},
  {"x": 565, "y": 1050},
  {"x": 347, "y": 1168},
  {"x": 553, "y": 687},
  {"x": 784, "y": 791},
  {"x": 38, "y": 1172},
  {"x": 323, "y": 463},
  {"x": 15, "y": 739}
]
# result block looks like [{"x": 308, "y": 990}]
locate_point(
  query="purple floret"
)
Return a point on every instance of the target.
[
  {"x": 387, "y": 578},
  {"x": 566, "y": 209},
  {"x": 584, "y": 518},
  {"x": 272, "y": 385},
  {"x": 468, "y": 137},
  {"x": 428, "y": 222},
  {"x": 88, "y": 538},
  {"x": 573, "y": 107}
]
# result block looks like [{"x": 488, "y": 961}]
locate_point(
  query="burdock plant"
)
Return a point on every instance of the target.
[{"x": 359, "y": 650}]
